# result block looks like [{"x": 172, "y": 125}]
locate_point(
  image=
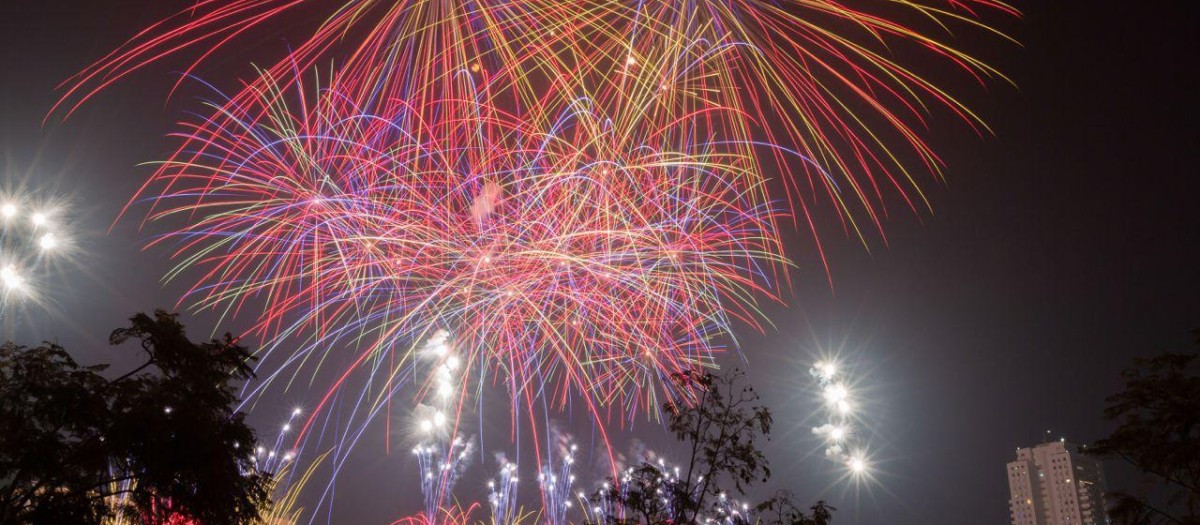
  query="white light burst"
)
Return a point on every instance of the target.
[
  {"x": 843, "y": 442},
  {"x": 34, "y": 242}
]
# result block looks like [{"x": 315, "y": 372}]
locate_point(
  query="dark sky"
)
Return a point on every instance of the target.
[{"x": 1061, "y": 248}]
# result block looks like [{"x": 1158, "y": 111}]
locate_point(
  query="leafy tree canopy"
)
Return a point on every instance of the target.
[
  {"x": 720, "y": 430},
  {"x": 1158, "y": 433},
  {"x": 160, "y": 443}
]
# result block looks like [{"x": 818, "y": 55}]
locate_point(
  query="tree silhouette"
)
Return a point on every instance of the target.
[
  {"x": 52, "y": 418},
  {"x": 721, "y": 428},
  {"x": 164, "y": 438},
  {"x": 782, "y": 510},
  {"x": 646, "y": 495},
  {"x": 1158, "y": 433}
]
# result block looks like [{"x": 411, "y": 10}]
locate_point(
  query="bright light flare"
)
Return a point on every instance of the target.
[
  {"x": 844, "y": 408},
  {"x": 858, "y": 465},
  {"x": 836, "y": 394},
  {"x": 48, "y": 241},
  {"x": 12, "y": 278},
  {"x": 837, "y": 434},
  {"x": 8, "y": 210},
  {"x": 841, "y": 443}
]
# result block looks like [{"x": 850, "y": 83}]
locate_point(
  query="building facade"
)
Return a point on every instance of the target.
[{"x": 1053, "y": 484}]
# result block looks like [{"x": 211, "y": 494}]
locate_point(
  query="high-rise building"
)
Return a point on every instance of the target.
[{"x": 1053, "y": 484}]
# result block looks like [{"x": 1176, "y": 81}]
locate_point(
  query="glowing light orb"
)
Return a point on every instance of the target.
[
  {"x": 837, "y": 434},
  {"x": 836, "y": 394},
  {"x": 858, "y": 465},
  {"x": 12, "y": 278}
]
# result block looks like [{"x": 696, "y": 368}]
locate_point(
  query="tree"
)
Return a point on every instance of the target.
[
  {"x": 52, "y": 414},
  {"x": 782, "y": 510},
  {"x": 721, "y": 428},
  {"x": 164, "y": 439},
  {"x": 646, "y": 495},
  {"x": 1158, "y": 433}
]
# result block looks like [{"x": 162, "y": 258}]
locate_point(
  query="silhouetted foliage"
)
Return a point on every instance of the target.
[
  {"x": 164, "y": 439},
  {"x": 52, "y": 418},
  {"x": 782, "y": 510},
  {"x": 646, "y": 495},
  {"x": 721, "y": 429},
  {"x": 1158, "y": 432}
]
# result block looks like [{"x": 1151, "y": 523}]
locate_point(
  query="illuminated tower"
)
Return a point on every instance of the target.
[{"x": 1053, "y": 484}]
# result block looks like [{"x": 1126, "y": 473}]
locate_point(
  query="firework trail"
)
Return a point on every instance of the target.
[
  {"x": 580, "y": 187},
  {"x": 604, "y": 506},
  {"x": 815, "y": 76},
  {"x": 451, "y": 515},
  {"x": 387, "y": 49},
  {"x": 594, "y": 257},
  {"x": 441, "y": 465},
  {"x": 842, "y": 441},
  {"x": 556, "y": 485},
  {"x": 502, "y": 493},
  {"x": 534, "y": 119},
  {"x": 580, "y": 190}
]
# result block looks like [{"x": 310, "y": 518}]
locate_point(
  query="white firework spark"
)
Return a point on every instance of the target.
[{"x": 843, "y": 441}]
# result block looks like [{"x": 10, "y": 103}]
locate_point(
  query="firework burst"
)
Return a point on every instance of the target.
[
  {"x": 817, "y": 76},
  {"x": 595, "y": 256},
  {"x": 583, "y": 192}
]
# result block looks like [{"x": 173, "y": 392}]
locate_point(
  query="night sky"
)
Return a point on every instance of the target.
[{"x": 1060, "y": 248}]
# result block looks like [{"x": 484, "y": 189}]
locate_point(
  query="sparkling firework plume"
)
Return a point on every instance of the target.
[
  {"x": 502, "y": 493},
  {"x": 557, "y": 485},
  {"x": 442, "y": 454}
]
